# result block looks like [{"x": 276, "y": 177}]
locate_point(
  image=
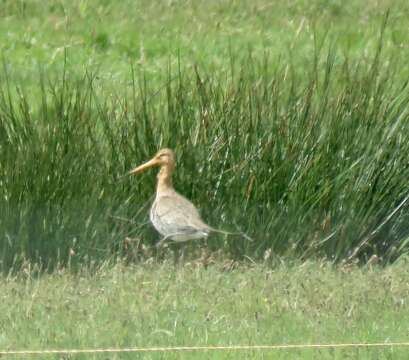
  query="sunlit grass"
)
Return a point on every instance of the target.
[
  {"x": 226, "y": 304},
  {"x": 109, "y": 35}
]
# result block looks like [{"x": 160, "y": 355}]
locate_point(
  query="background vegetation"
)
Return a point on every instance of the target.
[
  {"x": 289, "y": 121},
  {"x": 294, "y": 117}
]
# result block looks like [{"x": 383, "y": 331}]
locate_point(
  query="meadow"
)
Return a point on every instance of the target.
[
  {"x": 154, "y": 304},
  {"x": 289, "y": 123}
]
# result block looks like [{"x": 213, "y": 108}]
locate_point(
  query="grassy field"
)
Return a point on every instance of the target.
[
  {"x": 110, "y": 35},
  {"x": 289, "y": 121},
  {"x": 299, "y": 145},
  {"x": 157, "y": 304}
]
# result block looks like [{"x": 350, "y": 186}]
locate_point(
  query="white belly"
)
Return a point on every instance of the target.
[{"x": 186, "y": 237}]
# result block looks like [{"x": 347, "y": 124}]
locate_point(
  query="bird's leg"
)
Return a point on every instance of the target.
[
  {"x": 160, "y": 243},
  {"x": 176, "y": 250},
  {"x": 178, "y": 254},
  {"x": 205, "y": 254}
]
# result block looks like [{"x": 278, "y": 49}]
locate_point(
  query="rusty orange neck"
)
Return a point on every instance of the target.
[{"x": 165, "y": 178}]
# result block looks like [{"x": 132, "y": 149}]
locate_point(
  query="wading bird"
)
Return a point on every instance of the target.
[{"x": 172, "y": 215}]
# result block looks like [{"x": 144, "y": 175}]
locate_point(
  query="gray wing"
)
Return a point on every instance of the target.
[{"x": 175, "y": 214}]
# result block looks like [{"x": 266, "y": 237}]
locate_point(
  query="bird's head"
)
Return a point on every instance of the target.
[{"x": 164, "y": 157}]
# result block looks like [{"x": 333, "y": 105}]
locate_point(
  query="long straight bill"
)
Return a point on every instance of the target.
[{"x": 147, "y": 165}]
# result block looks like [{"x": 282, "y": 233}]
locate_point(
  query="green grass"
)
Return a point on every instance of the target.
[
  {"x": 157, "y": 304},
  {"x": 293, "y": 116},
  {"x": 289, "y": 121},
  {"x": 110, "y": 35},
  {"x": 308, "y": 166}
]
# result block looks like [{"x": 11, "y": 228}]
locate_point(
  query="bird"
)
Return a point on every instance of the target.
[{"x": 172, "y": 215}]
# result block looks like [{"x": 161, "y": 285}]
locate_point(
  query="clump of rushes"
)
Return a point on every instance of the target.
[{"x": 311, "y": 165}]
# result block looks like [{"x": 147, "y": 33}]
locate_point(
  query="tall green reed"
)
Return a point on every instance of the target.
[{"x": 308, "y": 166}]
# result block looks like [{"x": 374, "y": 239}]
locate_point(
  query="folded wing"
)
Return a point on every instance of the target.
[{"x": 175, "y": 216}]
